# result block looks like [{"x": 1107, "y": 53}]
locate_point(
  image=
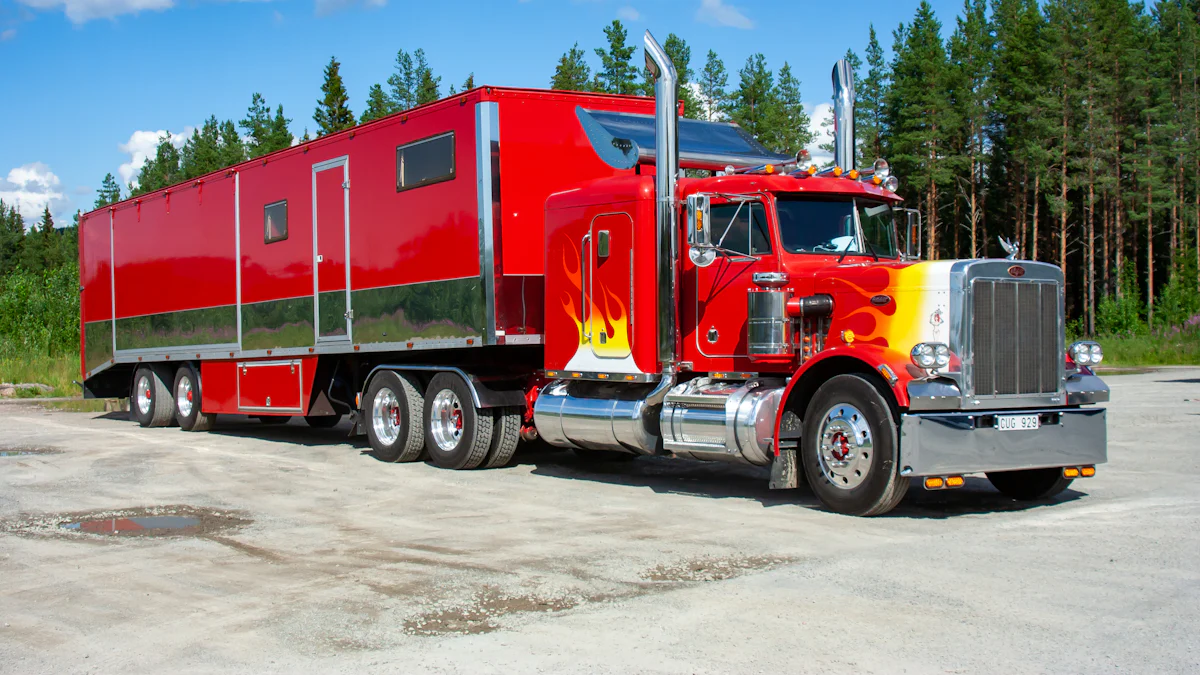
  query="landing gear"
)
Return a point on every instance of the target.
[
  {"x": 1030, "y": 484},
  {"x": 849, "y": 449},
  {"x": 150, "y": 402}
]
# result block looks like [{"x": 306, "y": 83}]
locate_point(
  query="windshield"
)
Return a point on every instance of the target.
[{"x": 808, "y": 225}]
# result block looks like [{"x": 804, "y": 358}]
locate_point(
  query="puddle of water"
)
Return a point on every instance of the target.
[
  {"x": 132, "y": 525},
  {"x": 23, "y": 450}
]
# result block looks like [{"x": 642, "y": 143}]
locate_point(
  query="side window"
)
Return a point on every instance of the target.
[
  {"x": 427, "y": 161},
  {"x": 275, "y": 222},
  {"x": 741, "y": 228}
]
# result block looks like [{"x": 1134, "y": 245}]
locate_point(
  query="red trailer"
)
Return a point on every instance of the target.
[{"x": 512, "y": 263}]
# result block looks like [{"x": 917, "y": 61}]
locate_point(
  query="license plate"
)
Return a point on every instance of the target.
[{"x": 1017, "y": 422}]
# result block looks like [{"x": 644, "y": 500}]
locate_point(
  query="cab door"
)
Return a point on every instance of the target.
[{"x": 741, "y": 229}]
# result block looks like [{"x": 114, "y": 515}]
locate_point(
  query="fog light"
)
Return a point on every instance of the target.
[
  {"x": 1087, "y": 471},
  {"x": 935, "y": 483},
  {"x": 955, "y": 481},
  {"x": 1070, "y": 472},
  {"x": 930, "y": 355}
]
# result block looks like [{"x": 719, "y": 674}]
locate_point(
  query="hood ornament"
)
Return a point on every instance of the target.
[{"x": 1012, "y": 248}]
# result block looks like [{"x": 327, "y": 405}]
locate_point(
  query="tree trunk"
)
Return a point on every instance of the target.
[
  {"x": 1149, "y": 237},
  {"x": 1023, "y": 211},
  {"x": 1037, "y": 192}
]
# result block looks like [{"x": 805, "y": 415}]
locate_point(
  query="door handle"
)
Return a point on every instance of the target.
[{"x": 320, "y": 258}]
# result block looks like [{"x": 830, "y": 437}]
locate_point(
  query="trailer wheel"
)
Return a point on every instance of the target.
[
  {"x": 394, "y": 408},
  {"x": 850, "y": 448},
  {"x": 1029, "y": 484},
  {"x": 273, "y": 420},
  {"x": 150, "y": 402},
  {"x": 188, "y": 401},
  {"x": 322, "y": 421},
  {"x": 506, "y": 435},
  {"x": 457, "y": 435}
]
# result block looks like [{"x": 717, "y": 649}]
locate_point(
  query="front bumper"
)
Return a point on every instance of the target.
[{"x": 944, "y": 443}]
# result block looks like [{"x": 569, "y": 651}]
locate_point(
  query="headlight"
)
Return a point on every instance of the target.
[
  {"x": 891, "y": 184},
  {"x": 930, "y": 355},
  {"x": 1086, "y": 353},
  {"x": 882, "y": 169}
]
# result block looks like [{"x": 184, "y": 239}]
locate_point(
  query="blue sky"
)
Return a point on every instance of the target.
[{"x": 89, "y": 84}]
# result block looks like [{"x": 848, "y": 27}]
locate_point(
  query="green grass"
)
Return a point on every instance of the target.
[
  {"x": 1182, "y": 348},
  {"x": 56, "y": 371}
]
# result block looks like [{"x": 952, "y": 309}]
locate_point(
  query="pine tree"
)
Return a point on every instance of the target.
[
  {"x": 333, "y": 112},
  {"x": 469, "y": 83},
  {"x": 109, "y": 193},
  {"x": 427, "y": 88},
  {"x": 714, "y": 81},
  {"x": 232, "y": 150},
  {"x": 755, "y": 106},
  {"x": 402, "y": 84},
  {"x": 680, "y": 54},
  {"x": 572, "y": 72},
  {"x": 160, "y": 171},
  {"x": 378, "y": 105},
  {"x": 279, "y": 136},
  {"x": 201, "y": 153},
  {"x": 870, "y": 106},
  {"x": 616, "y": 71},
  {"x": 970, "y": 91},
  {"x": 12, "y": 238},
  {"x": 790, "y": 126}
]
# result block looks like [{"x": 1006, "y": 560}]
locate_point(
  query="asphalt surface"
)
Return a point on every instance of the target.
[{"x": 300, "y": 554}]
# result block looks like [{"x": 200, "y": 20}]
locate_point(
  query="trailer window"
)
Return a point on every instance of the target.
[
  {"x": 275, "y": 222},
  {"x": 425, "y": 162}
]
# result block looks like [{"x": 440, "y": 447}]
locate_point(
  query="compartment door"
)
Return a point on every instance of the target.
[
  {"x": 331, "y": 249},
  {"x": 608, "y": 289},
  {"x": 271, "y": 386}
]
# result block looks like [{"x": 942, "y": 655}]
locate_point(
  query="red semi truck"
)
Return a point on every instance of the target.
[{"x": 512, "y": 264}]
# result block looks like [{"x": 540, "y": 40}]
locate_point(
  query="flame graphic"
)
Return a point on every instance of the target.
[
  {"x": 610, "y": 318},
  {"x": 901, "y": 322}
]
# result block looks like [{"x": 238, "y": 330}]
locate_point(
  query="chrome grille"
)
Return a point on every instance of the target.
[{"x": 1014, "y": 337}]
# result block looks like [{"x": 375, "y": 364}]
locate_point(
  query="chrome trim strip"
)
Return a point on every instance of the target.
[
  {"x": 112, "y": 273},
  {"x": 328, "y": 165},
  {"x": 487, "y": 145},
  {"x": 237, "y": 249},
  {"x": 633, "y": 378},
  {"x": 185, "y": 350}
]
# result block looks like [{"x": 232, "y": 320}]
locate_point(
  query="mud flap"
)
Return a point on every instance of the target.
[{"x": 784, "y": 475}]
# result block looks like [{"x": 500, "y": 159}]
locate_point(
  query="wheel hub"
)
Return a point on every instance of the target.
[
  {"x": 183, "y": 397},
  {"x": 143, "y": 395},
  {"x": 385, "y": 416},
  {"x": 446, "y": 425},
  {"x": 845, "y": 446}
]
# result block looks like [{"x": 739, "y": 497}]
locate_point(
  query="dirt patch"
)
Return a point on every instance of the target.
[
  {"x": 714, "y": 569},
  {"x": 23, "y": 450},
  {"x": 154, "y": 521},
  {"x": 481, "y": 613}
]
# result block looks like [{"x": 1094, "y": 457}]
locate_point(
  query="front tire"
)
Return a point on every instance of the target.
[
  {"x": 188, "y": 401},
  {"x": 394, "y": 407},
  {"x": 150, "y": 402},
  {"x": 1029, "y": 484},
  {"x": 457, "y": 435},
  {"x": 850, "y": 448}
]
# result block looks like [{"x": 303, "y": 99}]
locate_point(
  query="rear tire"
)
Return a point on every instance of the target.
[
  {"x": 850, "y": 448},
  {"x": 393, "y": 408},
  {"x": 1030, "y": 484},
  {"x": 189, "y": 401},
  {"x": 322, "y": 421},
  {"x": 457, "y": 434},
  {"x": 506, "y": 435},
  {"x": 150, "y": 402}
]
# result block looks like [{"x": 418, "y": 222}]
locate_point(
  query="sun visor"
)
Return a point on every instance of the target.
[{"x": 624, "y": 139}]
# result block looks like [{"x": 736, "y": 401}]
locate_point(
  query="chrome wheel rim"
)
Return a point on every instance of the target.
[
  {"x": 143, "y": 395},
  {"x": 385, "y": 416},
  {"x": 446, "y": 423},
  {"x": 845, "y": 447},
  {"x": 183, "y": 397}
]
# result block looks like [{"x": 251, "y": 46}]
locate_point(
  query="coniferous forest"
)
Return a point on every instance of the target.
[{"x": 1069, "y": 126}]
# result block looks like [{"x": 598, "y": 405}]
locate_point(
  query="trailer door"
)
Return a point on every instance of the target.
[{"x": 331, "y": 249}]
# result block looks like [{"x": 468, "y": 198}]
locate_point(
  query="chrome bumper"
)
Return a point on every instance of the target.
[{"x": 938, "y": 444}]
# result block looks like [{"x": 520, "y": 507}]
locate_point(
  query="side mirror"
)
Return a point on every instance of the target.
[
  {"x": 699, "y": 228},
  {"x": 912, "y": 234}
]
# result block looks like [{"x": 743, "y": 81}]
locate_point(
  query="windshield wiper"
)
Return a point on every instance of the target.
[{"x": 871, "y": 248}]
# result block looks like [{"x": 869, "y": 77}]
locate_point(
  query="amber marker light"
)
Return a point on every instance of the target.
[
  {"x": 877, "y": 180},
  {"x": 837, "y": 171},
  {"x": 630, "y": 378},
  {"x": 853, "y": 174},
  {"x": 1070, "y": 472},
  {"x": 1087, "y": 471},
  {"x": 811, "y": 170},
  {"x": 934, "y": 483},
  {"x": 955, "y": 481}
]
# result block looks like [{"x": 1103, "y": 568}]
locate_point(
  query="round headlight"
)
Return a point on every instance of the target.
[
  {"x": 882, "y": 169},
  {"x": 930, "y": 355},
  {"x": 1083, "y": 358},
  {"x": 891, "y": 184},
  {"x": 941, "y": 355},
  {"x": 1097, "y": 353},
  {"x": 1086, "y": 352}
]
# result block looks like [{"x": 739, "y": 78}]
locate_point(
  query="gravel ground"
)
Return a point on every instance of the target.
[{"x": 304, "y": 554}]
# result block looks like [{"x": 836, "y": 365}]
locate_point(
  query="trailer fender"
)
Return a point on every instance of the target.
[
  {"x": 865, "y": 360},
  {"x": 481, "y": 394}
]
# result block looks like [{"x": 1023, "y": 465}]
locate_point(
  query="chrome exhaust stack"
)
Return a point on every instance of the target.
[
  {"x": 666, "y": 172},
  {"x": 843, "y": 115}
]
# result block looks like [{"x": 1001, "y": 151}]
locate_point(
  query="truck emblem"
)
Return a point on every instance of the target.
[
  {"x": 881, "y": 300},
  {"x": 936, "y": 319},
  {"x": 1016, "y": 271}
]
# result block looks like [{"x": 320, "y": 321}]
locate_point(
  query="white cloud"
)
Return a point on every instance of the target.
[
  {"x": 821, "y": 134},
  {"x": 140, "y": 147},
  {"x": 628, "y": 13},
  {"x": 8, "y": 34},
  {"x": 33, "y": 187},
  {"x": 717, "y": 13},
  {"x": 82, "y": 11}
]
